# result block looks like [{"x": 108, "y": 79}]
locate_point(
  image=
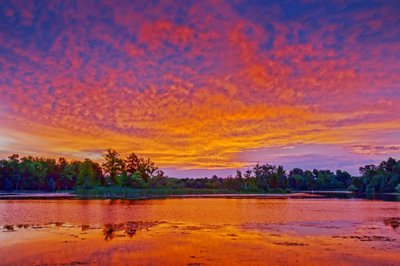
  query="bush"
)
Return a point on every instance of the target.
[
  {"x": 353, "y": 188},
  {"x": 370, "y": 190}
]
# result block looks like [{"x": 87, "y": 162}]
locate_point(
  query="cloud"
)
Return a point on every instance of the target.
[
  {"x": 375, "y": 150},
  {"x": 194, "y": 84}
]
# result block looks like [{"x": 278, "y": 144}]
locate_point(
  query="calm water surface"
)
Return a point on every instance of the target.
[{"x": 196, "y": 231}]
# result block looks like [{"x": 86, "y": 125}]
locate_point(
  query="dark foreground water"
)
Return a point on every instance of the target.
[{"x": 196, "y": 231}]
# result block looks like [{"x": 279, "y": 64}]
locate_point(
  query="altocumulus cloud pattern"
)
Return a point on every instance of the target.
[{"x": 202, "y": 85}]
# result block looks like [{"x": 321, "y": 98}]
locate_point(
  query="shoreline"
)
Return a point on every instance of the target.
[
  {"x": 36, "y": 195},
  {"x": 71, "y": 195},
  {"x": 155, "y": 195}
]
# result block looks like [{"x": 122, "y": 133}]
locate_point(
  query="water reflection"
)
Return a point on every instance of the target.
[
  {"x": 348, "y": 195},
  {"x": 108, "y": 232},
  {"x": 200, "y": 231},
  {"x": 126, "y": 229}
]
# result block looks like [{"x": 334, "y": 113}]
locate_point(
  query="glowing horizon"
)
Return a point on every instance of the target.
[{"x": 202, "y": 87}]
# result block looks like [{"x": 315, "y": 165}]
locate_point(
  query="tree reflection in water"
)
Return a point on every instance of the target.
[
  {"x": 108, "y": 232},
  {"x": 130, "y": 228}
]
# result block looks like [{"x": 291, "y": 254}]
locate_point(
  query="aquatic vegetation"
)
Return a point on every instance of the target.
[
  {"x": 367, "y": 238},
  {"x": 291, "y": 244},
  {"x": 394, "y": 222},
  {"x": 9, "y": 227},
  {"x": 85, "y": 227}
]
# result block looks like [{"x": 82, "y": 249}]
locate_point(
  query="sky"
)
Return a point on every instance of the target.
[{"x": 202, "y": 87}]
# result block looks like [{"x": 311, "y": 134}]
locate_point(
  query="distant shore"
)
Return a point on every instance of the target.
[
  {"x": 36, "y": 195},
  {"x": 160, "y": 194},
  {"x": 146, "y": 195}
]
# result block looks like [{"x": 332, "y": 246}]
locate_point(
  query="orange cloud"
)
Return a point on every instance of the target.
[{"x": 194, "y": 85}]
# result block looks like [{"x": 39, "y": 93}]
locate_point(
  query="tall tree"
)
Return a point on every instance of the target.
[
  {"x": 87, "y": 176},
  {"x": 132, "y": 163},
  {"x": 146, "y": 169},
  {"x": 113, "y": 165}
]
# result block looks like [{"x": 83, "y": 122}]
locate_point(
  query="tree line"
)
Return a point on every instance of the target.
[{"x": 39, "y": 173}]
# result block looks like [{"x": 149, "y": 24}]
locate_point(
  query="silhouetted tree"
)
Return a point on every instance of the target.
[{"x": 113, "y": 165}]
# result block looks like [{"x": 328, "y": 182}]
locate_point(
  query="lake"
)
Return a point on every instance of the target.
[{"x": 200, "y": 231}]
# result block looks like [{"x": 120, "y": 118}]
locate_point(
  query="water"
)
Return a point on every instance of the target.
[{"x": 248, "y": 231}]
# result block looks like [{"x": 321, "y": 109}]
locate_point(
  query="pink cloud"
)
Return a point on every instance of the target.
[{"x": 194, "y": 85}]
